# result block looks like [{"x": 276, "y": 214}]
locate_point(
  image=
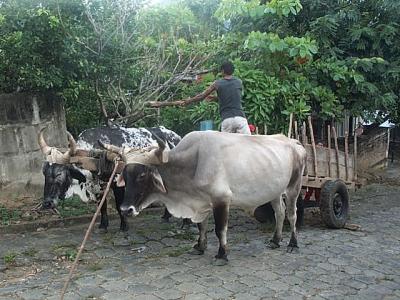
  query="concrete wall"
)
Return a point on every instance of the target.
[
  {"x": 373, "y": 148},
  {"x": 21, "y": 118}
]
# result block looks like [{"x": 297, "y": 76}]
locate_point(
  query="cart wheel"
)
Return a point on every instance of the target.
[
  {"x": 334, "y": 203},
  {"x": 265, "y": 213}
]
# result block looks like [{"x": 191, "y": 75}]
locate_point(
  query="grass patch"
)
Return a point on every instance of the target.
[
  {"x": 8, "y": 216},
  {"x": 9, "y": 258},
  {"x": 70, "y": 254},
  {"x": 185, "y": 235},
  {"x": 74, "y": 206},
  {"x": 66, "y": 251}
]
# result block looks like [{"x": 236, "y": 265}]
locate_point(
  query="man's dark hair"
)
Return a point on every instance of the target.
[{"x": 228, "y": 68}]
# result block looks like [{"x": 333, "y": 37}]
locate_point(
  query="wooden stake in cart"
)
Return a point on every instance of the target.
[{"x": 331, "y": 173}]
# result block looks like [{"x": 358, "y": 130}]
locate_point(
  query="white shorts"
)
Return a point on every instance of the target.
[{"x": 235, "y": 125}]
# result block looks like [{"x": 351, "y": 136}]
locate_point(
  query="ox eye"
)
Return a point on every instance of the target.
[{"x": 141, "y": 176}]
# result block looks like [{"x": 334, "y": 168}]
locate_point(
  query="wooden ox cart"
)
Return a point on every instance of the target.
[{"x": 331, "y": 173}]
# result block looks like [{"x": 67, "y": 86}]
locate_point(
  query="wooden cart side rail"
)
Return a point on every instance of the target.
[
  {"x": 318, "y": 182},
  {"x": 327, "y": 166}
]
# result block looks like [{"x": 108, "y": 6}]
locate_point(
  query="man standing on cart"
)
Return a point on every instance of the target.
[{"x": 229, "y": 94}]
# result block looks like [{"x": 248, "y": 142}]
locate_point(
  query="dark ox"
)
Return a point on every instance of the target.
[
  {"x": 212, "y": 171},
  {"x": 63, "y": 179}
]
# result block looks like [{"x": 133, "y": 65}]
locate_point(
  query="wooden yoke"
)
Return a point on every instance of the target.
[{"x": 92, "y": 164}]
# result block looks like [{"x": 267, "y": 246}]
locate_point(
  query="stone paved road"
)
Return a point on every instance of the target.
[{"x": 332, "y": 264}]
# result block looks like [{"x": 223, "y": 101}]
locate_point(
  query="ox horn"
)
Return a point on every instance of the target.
[
  {"x": 110, "y": 147},
  {"x": 46, "y": 149},
  {"x": 113, "y": 149},
  {"x": 161, "y": 152},
  {"x": 72, "y": 147}
]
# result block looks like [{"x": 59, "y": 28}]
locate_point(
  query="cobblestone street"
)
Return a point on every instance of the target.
[{"x": 153, "y": 262}]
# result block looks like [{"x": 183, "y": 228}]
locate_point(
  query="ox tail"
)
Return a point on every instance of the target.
[
  {"x": 303, "y": 156},
  {"x": 305, "y": 172}
]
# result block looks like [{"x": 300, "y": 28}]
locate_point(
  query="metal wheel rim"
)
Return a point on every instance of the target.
[{"x": 338, "y": 205}]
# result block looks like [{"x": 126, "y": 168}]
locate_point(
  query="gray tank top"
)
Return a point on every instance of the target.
[{"x": 229, "y": 93}]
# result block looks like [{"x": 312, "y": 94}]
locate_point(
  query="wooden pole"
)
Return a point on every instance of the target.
[
  {"x": 290, "y": 126},
  {"x": 346, "y": 154},
  {"x": 337, "y": 151},
  {"x": 296, "y": 132},
  {"x": 329, "y": 150},
  {"x": 88, "y": 231},
  {"x": 313, "y": 145},
  {"x": 355, "y": 157},
  {"x": 303, "y": 134},
  {"x": 156, "y": 104}
]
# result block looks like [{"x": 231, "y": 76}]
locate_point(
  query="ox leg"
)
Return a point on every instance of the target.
[
  {"x": 292, "y": 217},
  {"x": 201, "y": 245},
  {"x": 279, "y": 208},
  {"x": 119, "y": 198},
  {"x": 104, "y": 217},
  {"x": 221, "y": 227},
  {"x": 165, "y": 217}
]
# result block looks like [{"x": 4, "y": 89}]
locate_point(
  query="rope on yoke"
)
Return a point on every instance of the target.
[{"x": 88, "y": 231}]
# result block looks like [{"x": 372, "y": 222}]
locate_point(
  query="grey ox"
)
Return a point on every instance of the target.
[{"x": 210, "y": 172}]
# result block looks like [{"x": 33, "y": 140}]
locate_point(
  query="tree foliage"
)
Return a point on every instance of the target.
[{"x": 108, "y": 58}]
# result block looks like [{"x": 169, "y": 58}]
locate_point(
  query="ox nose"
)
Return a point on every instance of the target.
[
  {"x": 48, "y": 204},
  {"x": 129, "y": 210}
]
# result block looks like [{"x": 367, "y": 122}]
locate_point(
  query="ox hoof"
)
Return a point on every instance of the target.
[
  {"x": 220, "y": 261},
  {"x": 196, "y": 251},
  {"x": 292, "y": 249},
  {"x": 273, "y": 245}
]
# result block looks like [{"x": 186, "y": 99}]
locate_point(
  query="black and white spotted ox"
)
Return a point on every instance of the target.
[
  {"x": 63, "y": 179},
  {"x": 212, "y": 171}
]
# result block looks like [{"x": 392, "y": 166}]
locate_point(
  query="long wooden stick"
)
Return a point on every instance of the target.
[
  {"x": 303, "y": 134},
  {"x": 337, "y": 151},
  {"x": 355, "y": 157},
  {"x": 313, "y": 145},
  {"x": 290, "y": 126},
  {"x": 329, "y": 150},
  {"x": 296, "y": 132},
  {"x": 88, "y": 231},
  {"x": 346, "y": 154},
  {"x": 164, "y": 104}
]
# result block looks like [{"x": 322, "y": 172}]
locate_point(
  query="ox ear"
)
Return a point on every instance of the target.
[
  {"x": 76, "y": 174},
  {"x": 120, "y": 180},
  {"x": 157, "y": 181}
]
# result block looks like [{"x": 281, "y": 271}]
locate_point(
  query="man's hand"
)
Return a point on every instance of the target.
[{"x": 211, "y": 98}]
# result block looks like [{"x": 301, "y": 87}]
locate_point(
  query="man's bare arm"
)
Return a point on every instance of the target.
[
  {"x": 201, "y": 96},
  {"x": 197, "y": 98}
]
